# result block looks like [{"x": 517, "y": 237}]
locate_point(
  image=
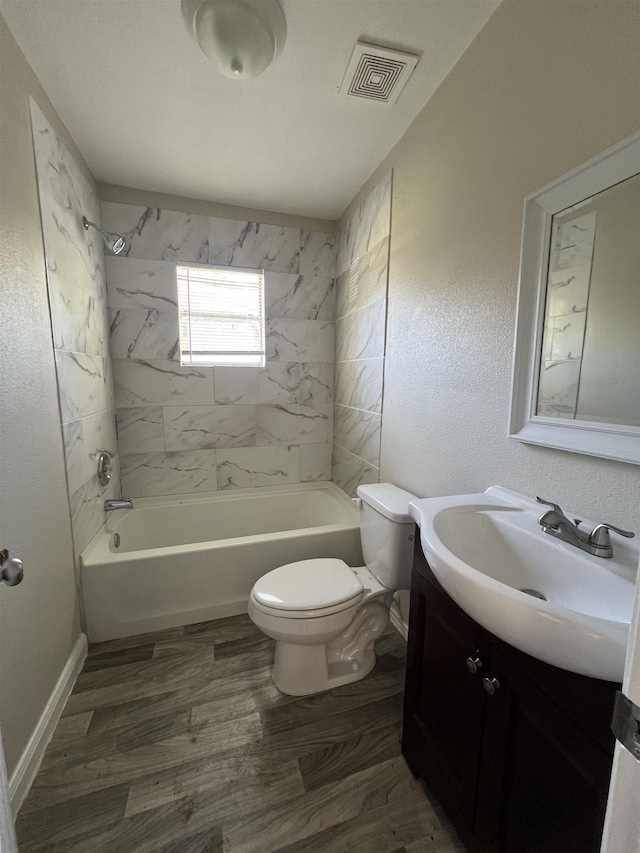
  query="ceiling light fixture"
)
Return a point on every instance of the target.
[{"x": 240, "y": 37}]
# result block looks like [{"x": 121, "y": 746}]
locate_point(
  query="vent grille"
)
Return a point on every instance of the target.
[{"x": 377, "y": 73}]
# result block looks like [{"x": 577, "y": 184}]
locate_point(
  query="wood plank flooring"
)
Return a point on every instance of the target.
[{"x": 178, "y": 742}]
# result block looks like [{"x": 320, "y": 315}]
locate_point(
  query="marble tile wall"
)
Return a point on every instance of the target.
[
  {"x": 190, "y": 429},
  {"x": 361, "y": 313},
  {"x": 80, "y": 327}
]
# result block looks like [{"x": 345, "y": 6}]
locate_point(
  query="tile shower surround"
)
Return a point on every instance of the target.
[
  {"x": 80, "y": 326},
  {"x": 361, "y": 311},
  {"x": 198, "y": 429}
]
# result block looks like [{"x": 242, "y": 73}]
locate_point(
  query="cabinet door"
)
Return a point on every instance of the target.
[
  {"x": 444, "y": 701},
  {"x": 543, "y": 782}
]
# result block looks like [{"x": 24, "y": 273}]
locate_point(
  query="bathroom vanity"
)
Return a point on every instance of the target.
[{"x": 517, "y": 751}]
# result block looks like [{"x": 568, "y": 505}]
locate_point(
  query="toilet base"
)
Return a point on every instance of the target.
[
  {"x": 300, "y": 670},
  {"x": 304, "y": 670}
]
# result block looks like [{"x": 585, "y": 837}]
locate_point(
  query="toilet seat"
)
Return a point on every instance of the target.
[{"x": 308, "y": 589}]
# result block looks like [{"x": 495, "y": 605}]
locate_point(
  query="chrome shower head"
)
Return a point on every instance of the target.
[{"x": 113, "y": 242}]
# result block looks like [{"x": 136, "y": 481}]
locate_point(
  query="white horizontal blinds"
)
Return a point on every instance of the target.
[{"x": 221, "y": 315}]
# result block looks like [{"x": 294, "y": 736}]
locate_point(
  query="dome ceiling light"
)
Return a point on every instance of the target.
[{"x": 240, "y": 37}]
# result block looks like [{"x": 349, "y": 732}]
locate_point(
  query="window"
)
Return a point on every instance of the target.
[{"x": 221, "y": 315}]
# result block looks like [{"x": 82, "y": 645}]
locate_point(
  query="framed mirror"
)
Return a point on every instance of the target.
[{"x": 576, "y": 371}]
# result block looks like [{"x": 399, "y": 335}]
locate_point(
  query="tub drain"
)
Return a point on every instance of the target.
[{"x": 535, "y": 593}]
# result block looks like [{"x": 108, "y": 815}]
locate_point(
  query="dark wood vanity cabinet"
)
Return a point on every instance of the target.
[{"x": 523, "y": 770}]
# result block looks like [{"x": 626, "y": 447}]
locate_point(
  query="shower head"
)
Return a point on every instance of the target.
[{"x": 113, "y": 242}]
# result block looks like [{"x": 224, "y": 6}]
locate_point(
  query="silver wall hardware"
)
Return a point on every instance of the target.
[
  {"x": 104, "y": 469},
  {"x": 114, "y": 242},
  {"x": 626, "y": 724},
  {"x": 11, "y": 569},
  {"x": 109, "y": 506}
]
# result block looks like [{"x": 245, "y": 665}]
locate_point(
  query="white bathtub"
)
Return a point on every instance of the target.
[{"x": 187, "y": 559}]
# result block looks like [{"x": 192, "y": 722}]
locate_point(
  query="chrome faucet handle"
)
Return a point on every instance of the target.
[
  {"x": 600, "y": 534},
  {"x": 104, "y": 468},
  {"x": 553, "y": 506}
]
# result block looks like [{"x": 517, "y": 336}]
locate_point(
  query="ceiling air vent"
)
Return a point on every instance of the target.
[{"x": 377, "y": 73}]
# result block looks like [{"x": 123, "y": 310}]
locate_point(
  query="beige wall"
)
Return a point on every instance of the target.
[
  {"x": 544, "y": 87},
  {"x": 39, "y": 621}
]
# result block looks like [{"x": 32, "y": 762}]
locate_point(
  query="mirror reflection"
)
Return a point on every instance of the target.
[{"x": 590, "y": 360}]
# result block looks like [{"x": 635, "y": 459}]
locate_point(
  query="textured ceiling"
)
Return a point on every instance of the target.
[{"x": 149, "y": 111}]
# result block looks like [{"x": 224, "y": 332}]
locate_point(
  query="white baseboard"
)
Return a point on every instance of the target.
[
  {"x": 30, "y": 760},
  {"x": 397, "y": 621}
]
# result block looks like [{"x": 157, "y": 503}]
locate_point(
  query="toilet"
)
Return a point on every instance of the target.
[{"x": 324, "y": 615}]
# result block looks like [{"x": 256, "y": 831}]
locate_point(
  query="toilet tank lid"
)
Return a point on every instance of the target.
[{"x": 389, "y": 500}]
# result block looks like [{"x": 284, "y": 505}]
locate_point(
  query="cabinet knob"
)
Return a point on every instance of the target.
[
  {"x": 491, "y": 685},
  {"x": 473, "y": 664}
]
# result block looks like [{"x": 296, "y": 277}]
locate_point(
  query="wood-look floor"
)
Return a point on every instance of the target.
[{"x": 178, "y": 742}]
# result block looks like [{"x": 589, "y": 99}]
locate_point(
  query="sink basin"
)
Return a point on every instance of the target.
[{"x": 543, "y": 596}]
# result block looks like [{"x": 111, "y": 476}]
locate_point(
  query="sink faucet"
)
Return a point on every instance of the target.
[{"x": 555, "y": 523}]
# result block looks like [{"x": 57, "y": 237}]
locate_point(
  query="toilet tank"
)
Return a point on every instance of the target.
[{"x": 387, "y": 533}]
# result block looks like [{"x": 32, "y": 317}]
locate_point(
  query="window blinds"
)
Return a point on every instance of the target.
[{"x": 221, "y": 315}]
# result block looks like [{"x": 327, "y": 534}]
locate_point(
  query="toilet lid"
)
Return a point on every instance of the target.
[{"x": 308, "y": 585}]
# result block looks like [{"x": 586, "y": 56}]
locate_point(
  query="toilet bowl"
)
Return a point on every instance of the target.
[{"x": 325, "y": 615}]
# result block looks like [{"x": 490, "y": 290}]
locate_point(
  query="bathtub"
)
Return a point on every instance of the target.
[{"x": 187, "y": 559}]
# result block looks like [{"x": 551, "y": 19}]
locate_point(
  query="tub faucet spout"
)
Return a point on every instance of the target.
[{"x": 109, "y": 506}]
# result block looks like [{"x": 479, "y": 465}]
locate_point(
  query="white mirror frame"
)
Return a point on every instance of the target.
[{"x": 611, "y": 441}]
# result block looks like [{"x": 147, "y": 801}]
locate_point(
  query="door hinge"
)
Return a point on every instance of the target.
[{"x": 626, "y": 724}]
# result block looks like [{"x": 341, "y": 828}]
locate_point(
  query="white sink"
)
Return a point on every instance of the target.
[{"x": 486, "y": 548}]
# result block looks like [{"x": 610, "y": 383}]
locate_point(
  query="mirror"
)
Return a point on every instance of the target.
[
  {"x": 590, "y": 367},
  {"x": 576, "y": 380}
]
